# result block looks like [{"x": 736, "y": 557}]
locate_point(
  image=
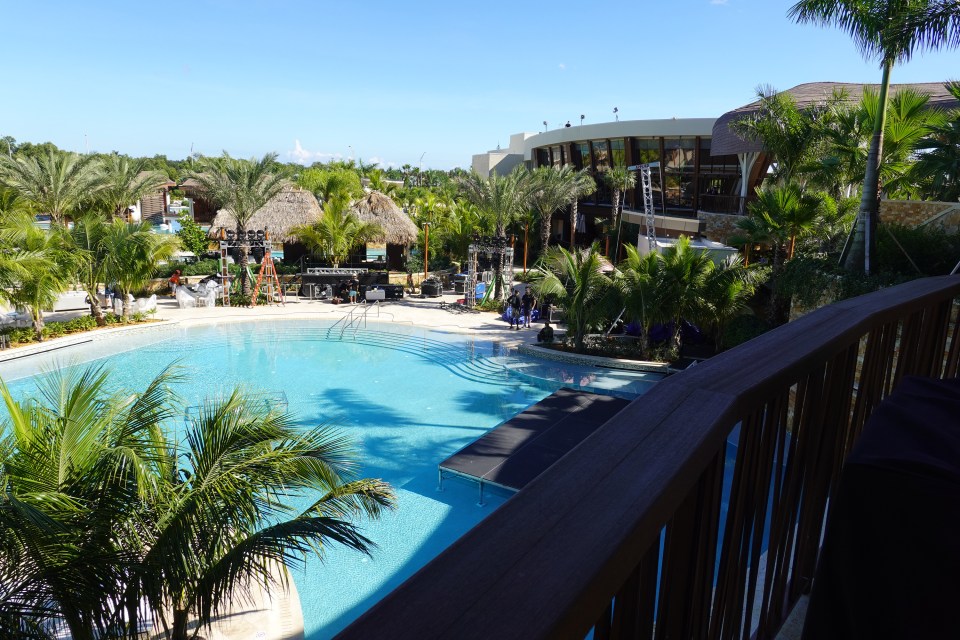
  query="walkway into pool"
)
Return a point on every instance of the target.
[{"x": 513, "y": 454}]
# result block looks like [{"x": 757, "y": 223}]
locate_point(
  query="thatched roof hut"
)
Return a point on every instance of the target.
[
  {"x": 380, "y": 209},
  {"x": 290, "y": 208}
]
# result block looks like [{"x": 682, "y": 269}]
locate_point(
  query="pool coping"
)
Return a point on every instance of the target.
[{"x": 597, "y": 361}]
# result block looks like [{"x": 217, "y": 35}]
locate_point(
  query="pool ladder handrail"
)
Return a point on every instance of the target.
[{"x": 354, "y": 320}]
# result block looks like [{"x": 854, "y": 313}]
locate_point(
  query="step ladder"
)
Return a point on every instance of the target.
[{"x": 267, "y": 277}]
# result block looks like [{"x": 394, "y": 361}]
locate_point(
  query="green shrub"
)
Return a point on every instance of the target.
[
  {"x": 24, "y": 335},
  {"x": 80, "y": 323}
]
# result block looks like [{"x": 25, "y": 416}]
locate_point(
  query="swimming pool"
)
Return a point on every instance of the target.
[{"x": 409, "y": 398}]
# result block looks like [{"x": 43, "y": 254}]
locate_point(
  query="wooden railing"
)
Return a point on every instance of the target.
[{"x": 624, "y": 536}]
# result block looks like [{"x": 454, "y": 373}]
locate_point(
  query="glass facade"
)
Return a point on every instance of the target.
[
  {"x": 556, "y": 156},
  {"x": 618, "y": 153},
  {"x": 687, "y": 178}
]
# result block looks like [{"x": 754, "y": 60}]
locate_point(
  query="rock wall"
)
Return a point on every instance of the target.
[
  {"x": 915, "y": 213},
  {"x": 718, "y": 226}
]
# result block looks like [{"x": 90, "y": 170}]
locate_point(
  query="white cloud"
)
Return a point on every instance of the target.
[
  {"x": 305, "y": 157},
  {"x": 562, "y": 67}
]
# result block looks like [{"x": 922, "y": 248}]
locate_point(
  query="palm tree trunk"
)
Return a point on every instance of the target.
[
  {"x": 864, "y": 243},
  {"x": 244, "y": 260},
  {"x": 37, "y": 322},
  {"x": 180, "y": 618},
  {"x": 573, "y": 225},
  {"x": 498, "y": 265},
  {"x": 545, "y": 232},
  {"x": 613, "y": 222},
  {"x": 95, "y": 309}
]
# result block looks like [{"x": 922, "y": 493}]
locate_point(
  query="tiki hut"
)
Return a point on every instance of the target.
[
  {"x": 290, "y": 208},
  {"x": 399, "y": 231}
]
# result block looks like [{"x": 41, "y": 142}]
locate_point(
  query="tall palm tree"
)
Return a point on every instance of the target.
[
  {"x": 751, "y": 230},
  {"x": 55, "y": 183},
  {"x": 336, "y": 232},
  {"x": 131, "y": 253},
  {"x": 575, "y": 281},
  {"x": 551, "y": 188},
  {"x": 583, "y": 185},
  {"x": 891, "y": 30},
  {"x": 503, "y": 198},
  {"x": 126, "y": 181},
  {"x": 36, "y": 265},
  {"x": 620, "y": 180},
  {"x": 243, "y": 187},
  {"x": 331, "y": 183}
]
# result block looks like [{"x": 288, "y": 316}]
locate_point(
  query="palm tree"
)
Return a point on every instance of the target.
[
  {"x": 891, "y": 30},
  {"x": 55, "y": 183},
  {"x": 636, "y": 281},
  {"x": 583, "y": 185},
  {"x": 681, "y": 278},
  {"x": 104, "y": 508},
  {"x": 124, "y": 182},
  {"x": 224, "y": 511},
  {"x": 751, "y": 230},
  {"x": 551, "y": 189},
  {"x": 789, "y": 213},
  {"x": 620, "y": 180},
  {"x": 504, "y": 198},
  {"x": 78, "y": 461},
  {"x": 36, "y": 265},
  {"x": 131, "y": 253},
  {"x": 243, "y": 187},
  {"x": 336, "y": 232},
  {"x": 575, "y": 281},
  {"x": 938, "y": 166},
  {"x": 87, "y": 243},
  {"x": 727, "y": 291}
]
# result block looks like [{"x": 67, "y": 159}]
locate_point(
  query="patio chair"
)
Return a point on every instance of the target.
[{"x": 184, "y": 299}]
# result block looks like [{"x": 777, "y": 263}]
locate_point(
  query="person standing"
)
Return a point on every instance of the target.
[
  {"x": 174, "y": 282},
  {"x": 513, "y": 302},
  {"x": 529, "y": 303}
]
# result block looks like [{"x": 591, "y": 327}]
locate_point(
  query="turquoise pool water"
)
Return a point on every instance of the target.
[{"x": 409, "y": 398}]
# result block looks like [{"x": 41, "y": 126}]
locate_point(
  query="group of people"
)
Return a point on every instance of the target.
[
  {"x": 521, "y": 308},
  {"x": 349, "y": 290}
]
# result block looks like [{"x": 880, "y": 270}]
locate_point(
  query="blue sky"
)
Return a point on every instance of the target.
[{"x": 394, "y": 81}]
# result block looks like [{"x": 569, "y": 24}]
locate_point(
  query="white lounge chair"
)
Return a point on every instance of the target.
[{"x": 145, "y": 305}]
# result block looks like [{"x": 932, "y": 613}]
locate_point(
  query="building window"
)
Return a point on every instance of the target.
[
  {"x": 645, "y": 151},
  {"x": 618, "y": 153},
  {"x": 543, "y": 157},
  {"x": 581, "y": 155},
  {"x": 678, "y": 172},
  {"x": 556, "y": 154}
]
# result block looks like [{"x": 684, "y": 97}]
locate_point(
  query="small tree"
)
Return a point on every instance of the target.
[
  {"x": 132, "y": 254},
  {"x": 36, "y": 265},
  {"x": 576, "y": 282},
  {"x": 192, "y": 236}
]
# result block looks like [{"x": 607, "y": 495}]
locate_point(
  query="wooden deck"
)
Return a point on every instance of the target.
[{"x": 516, "y": 452}]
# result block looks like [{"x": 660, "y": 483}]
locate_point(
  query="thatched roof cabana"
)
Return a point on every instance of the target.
[
  {"x": 290, "y": 208},
  {"x": 380, "y": 209}
]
